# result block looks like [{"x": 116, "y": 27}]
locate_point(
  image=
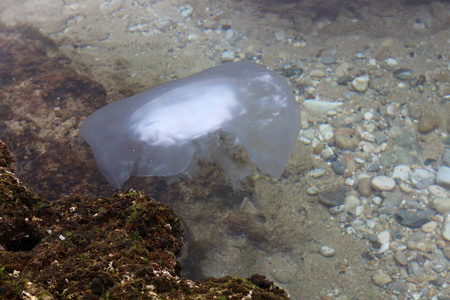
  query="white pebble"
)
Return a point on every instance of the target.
[
  {"x": 228, "y": 55},
  {"x": 402, "y": 172},
  {"x": 391, "y": 62},
  {"x": 443, "y": 177},
  {"x": 317, "y": 172},
  {"x": 384, "y": 236},
  {"x": 192, "y": 37},
  {"x": 383, "y": 183},
  {"x": 327, "y": 251},
  {"x": 368, "y": 116},
  {"x": 327, "y": 152},
  {"x": 361, "y": 83},
  {"x": 377, "y": 200},
  {"x": 229, "y": 34},
  {"x": 321, "y": 106}
]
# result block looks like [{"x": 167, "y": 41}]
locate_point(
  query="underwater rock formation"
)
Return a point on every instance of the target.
[{"x": 119, "y": 247}]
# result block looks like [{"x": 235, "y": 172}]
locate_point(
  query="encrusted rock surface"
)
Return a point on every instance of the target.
[{"x": 117, "y": 247}]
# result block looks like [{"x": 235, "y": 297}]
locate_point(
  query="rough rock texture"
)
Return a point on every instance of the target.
[{"x": 121, "y": 247}]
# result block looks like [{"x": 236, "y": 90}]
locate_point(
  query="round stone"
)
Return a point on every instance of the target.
[
  {"x": 228, "y": 55},
  {"x": 361, "y": 83},
  {"x": 383, "y": 183},
  {"x": 327, "y": 153},
  {"x": 402, "y": 172},
  {"x": 312, "y": 190},
  {"x": 364, "y": 187},
  {"x": 441, "y": 205},
  {"x": 415, "y": 112},
  {"x": 438, "y": 191},
  {"x": 427, "y": 123},
  {"x": 429, "y": 227},
  {"x": 422, "y": 178},
  {"x": 317, "y": 73},
  {"x": 443, "y": 177},
  {"x": 345, "y": 139},
  {"x": 400, "y": 258},
  {"x": 338, "y": 167},
  {"x": 381, "y": 279},
  {"x": 384, "y": 237}
]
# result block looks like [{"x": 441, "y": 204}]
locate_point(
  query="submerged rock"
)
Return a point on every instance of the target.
[{"x": 117, "y": 247}]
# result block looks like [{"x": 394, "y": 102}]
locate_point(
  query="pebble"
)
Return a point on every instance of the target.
[
  {"x": 164, "y": 24},
  {"x": 229, "y": 34},
  {"x": 210, "y": 24},
  {"x": 391, "y": 62},
  {"x": 446, "y": 157},
  {"x": 342, "y": 70},
  {"x": 279, "y": 36},
  {"x": 321, "y": 106},
  {"x": 429, "y": 227},
  {"x": 383, "y": 183},
  {"x": 373, "y": 168},
  {"x": 317, "y": 73},
  {"x": 402, "y": 172},
  {"x": 446, "y": 228},
  {"x": 384, "y": 237},
  {"x": 345, "y": 139},
  {"x": 337, "y": 209},
  {"x": 443, "y": 177},
  {"x": 438, "y": 191},
  {"x": 441, "y": 205},
  {"x": 364, "y": 187},
  {"x": 427, "y": 123},
  {"x": 403, "y": 74},
  {"x": 400, "y": 258},
  {"x": 413, "y": 218},
  {"x": 317, "y": 173},
  {"x": 192, "y": 37},
  {"x": 368, "y": 116},
  {"x": 422, "y": 178},
  {"x": 361, "y": 83},
  {"x": 415, "y": 268},
  {"x": 312, "y": 190},
  {"x": 332, "y": 197},
  {"x": 187, "y": 12},
  {"x": 415, "y": 112},
  {"x": 405, "y": 150},
  {"x": 406, "y": 188},
  {"x": 327, "y": 153},
  {"x": 338, "y": 167},
  {"x": 328, "y": 60},
  {"x": 228, "y": 55},
  {"x": 391, "y": 199},
  {"x": 351, "y": 202},
  {"x": 381, "y": 279},
  {"x": 326, "y": 130},
  {"x": 327, "y": 251}
]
